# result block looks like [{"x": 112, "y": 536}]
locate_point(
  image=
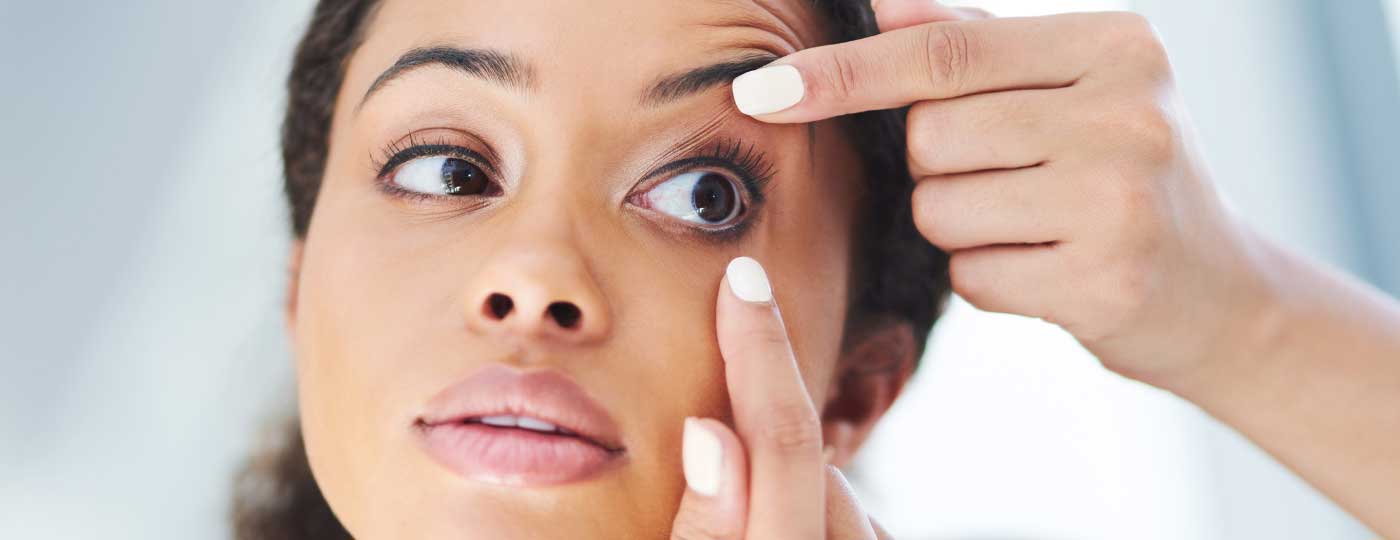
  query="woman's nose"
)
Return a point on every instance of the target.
[{"x": 538, "y": 296}]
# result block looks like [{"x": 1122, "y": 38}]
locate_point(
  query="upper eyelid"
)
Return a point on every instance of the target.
[
  {"x": 441, "y": 136},
  {"x": 752, "y": 165},
  {"x": 394, "y": 161}
]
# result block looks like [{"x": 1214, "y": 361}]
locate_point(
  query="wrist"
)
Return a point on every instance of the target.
[{"x": 1254, "y": 323}]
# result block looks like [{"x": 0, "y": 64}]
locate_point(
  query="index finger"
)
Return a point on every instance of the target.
[
  {"x": 773, "y": 413},
  {"x": 938, "y": 60}
]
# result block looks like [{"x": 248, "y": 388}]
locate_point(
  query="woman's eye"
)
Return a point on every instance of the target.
[
  {"x": 704, "y": 197},
  {"x": 442, "y": 175}
]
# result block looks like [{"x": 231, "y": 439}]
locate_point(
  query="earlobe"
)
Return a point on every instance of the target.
[
  {"x": 289, "y": 306},
  {"x": 870, "y": 374}
]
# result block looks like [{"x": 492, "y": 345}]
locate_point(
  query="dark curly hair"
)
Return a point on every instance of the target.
[{"x": 896, "y": 274}]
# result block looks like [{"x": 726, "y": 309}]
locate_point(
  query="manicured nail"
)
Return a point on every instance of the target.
[
  {"x": 748, "y": 281},
  {"x": 768, "y": 89},
  {"x": 701, "y": 457}
]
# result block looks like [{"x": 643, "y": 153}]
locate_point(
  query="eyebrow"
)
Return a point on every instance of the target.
[
  {"x": 511, "y": 72},
  {"x": 694, "y": 81},
  {"x": 487, "y": 64}
]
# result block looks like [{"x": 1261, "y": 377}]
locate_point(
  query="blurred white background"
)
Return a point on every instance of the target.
[{"x": 144, "y": 237}]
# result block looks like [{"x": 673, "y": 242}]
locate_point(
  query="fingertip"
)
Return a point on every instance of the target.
[
  {"x": 769, "y": 89},
  {"x": 715, "y": 503},
  {"x": 748, "y": 281},
  {"x": 715, "y": 464},
  {"x": 702, "y": 458}
]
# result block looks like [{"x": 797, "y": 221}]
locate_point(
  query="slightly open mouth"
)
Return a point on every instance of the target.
[
  {"x": 517, "y": 451},
  {"x": 524, "y": 423}
]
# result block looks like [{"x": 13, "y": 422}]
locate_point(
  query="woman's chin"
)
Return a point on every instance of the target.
[{"x": 598, "y": 508}]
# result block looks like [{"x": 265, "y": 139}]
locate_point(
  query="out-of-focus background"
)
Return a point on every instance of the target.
[{"x": 143, "y": 241}]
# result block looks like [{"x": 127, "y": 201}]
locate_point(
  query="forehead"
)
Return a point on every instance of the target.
[{"x": 607, "y": 44}]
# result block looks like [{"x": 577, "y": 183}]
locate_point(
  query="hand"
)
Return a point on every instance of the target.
[
  {"x": 1055, "y": 166},
  {"x": 1053, "y": 163},
  {"x": 770, "y": 480}
]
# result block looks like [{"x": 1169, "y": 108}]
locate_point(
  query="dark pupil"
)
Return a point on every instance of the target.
[
  {"x": 460, "y": 177},
  {"x": 713, "y": 198}
]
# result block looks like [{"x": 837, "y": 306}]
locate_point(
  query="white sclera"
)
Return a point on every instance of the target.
[
  {"x": 422, "y": 175},
  {"x": 675, "y": 197}
]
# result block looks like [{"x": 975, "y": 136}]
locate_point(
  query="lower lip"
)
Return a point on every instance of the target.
[{"x": 515, "y": 457}]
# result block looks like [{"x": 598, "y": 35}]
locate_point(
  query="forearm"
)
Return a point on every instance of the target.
[{"x": 1317, "y": 385}]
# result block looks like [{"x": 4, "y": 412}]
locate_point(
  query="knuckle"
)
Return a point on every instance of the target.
[
  {"x": 1125, "y": 294},
  {"x": 1142, "y": 128},
  {"x": 1127, "y": 26},
  {"x": 947, "y": 55},
  {"x": 842, "y": 76},
  {"x": 1129, "y": 205},
  {"x": 792, "y": 429},
  {"x": 1123, "y": 194},
  {"x": 922, "y": 137},
  {"x": 926, "y": 212},
  {"x": 1132, "y": 35},
  {"x": 1125, "y": 279},
  {"x": 1153, "y": 133},
  {"x": 1134, "y": 277},
  {"x": 766, "y": 337},
  {"x": 966, "y": 280}
]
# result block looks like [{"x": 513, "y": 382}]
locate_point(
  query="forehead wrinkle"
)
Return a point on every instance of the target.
[{"x": 762, "y": 16}]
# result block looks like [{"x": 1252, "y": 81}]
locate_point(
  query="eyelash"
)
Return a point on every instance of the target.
[
  {"x": 396, "y": 154},
  {"x": 746, "y": 162}
]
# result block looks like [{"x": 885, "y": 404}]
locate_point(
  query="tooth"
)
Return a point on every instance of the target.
[
  {"x": 537, "y": 425},
  {"x": 504, "y": 420}
]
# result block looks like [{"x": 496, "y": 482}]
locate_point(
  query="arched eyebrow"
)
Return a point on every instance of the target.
[
  {"x": 487, "y": 64},
  {"x": 687, "y": 83},
  {"x": 511, "y": 72}
]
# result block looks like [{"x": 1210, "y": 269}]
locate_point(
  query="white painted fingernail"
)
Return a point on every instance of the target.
[
  {"x": 702, "y": 458},
  {"x": 748, "y": 281},
  {"x": 768, "y": 89}
]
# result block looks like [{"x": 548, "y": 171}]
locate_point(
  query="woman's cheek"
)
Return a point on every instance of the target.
[{"x": 354, "y": 338}]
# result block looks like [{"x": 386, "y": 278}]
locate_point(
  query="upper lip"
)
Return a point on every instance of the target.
[{"x": 546, "y": 395}]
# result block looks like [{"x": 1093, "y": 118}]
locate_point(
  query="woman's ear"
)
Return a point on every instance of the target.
[
  {"x": 869, "y": 376},
  {"x": 289, "y": 305}
]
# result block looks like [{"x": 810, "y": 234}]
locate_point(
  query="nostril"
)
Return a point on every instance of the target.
[
  {"x": 565, "y": 313},
  {"x": 499, "y": 305}
]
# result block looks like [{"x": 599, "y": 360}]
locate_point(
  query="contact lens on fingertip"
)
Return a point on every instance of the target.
[
  {"x": 702, "y": 458},
  {"x": 748, "y": 281}
]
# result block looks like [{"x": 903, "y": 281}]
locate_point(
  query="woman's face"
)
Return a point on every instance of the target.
[{"x": 534, "y": 191}]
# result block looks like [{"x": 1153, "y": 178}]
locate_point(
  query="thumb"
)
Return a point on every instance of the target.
[
  {"x": 896, "y": 14},
  {"x": 715, "y": 504}
]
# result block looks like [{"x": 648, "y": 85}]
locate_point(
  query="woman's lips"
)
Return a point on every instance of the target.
[{"x": 518, "y": 428}]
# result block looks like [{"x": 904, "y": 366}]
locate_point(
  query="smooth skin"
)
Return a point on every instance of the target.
[
  {"x": 1054, "y": 150},
  {"x": 388, "y": 304}
]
